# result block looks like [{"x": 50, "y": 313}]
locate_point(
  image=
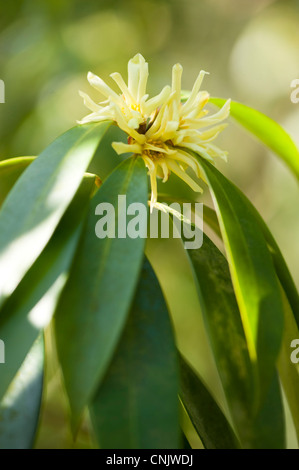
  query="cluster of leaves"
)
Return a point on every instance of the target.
[{"x": 113, "y": 327}]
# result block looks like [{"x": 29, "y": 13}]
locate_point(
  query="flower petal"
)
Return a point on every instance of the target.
[
  {"x": 121, "y": 147},
  {"x": 101, "y": 86},
  {"x": 174, "y": 167}
]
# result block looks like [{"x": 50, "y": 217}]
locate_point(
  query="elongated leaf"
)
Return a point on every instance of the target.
[
  {"x": 268, "y": 428},
  {"x": 252, "y": 272},
  {"x": 256, "y": 424},
  {"x": 275, "y": 137},
  {"x": 10, "y": 171},
  {"x": 94, "y": 305},
  {"x": 281, "y": 267},
  {"x": 20, "y": 408},
  {"x": 185, "y": 442},
  {"x": 205, "y": 414},
  {"x": 174, "y": 272},
  {"x": 228, "y": 341},
  {"x": 288, "y": 371},
  {"x": 267, "y": 130},
  {"x": 31, "y": 305},
  {"x": 210, "y": 217},
  {"x": 38, "y": 200},
  {"x": 225, "y": 330},
  {"x": 136, "y": 406}
]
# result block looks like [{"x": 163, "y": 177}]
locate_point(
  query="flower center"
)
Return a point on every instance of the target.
[
  {"x": 135, "y": 107},
  {"x": 154, "y": 154}
]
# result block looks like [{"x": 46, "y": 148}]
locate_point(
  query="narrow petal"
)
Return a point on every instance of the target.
[
  {"x": 134, "y": 66},
  {"x": 89, "y": 103},
  {"x": 134, "y": 123},
  {"x": 174, "y": 114},
  {"x": 211, "y": 133},
  {"x": 154, "y": 148},
  {"x": 158, "y": 131},
  {"x": 198, "y": 149},
  {"x": 157, "y": 101},
  {"x": 173, "y": 166},
  {"x": 101, "y": 86},
  {"x": 121, "y": 147},
  {"x": 150, "y": 133},
  {"x": 165, "y": 170},
  {"x": 94, "y": 117},
  {"x": 122, "y": 123},
  {"x": 170, "y": 130},
  {"x": 195, "y": 90},
  {"x": 143, "y": 76},
  {"x": 153, "y": 179},
  {"x": 217, "y": 152},
  {"x": 188, "y": 160},
  {"x": 177, "y": 71},
  {"x": 123, "y": 87},
  {"x": 196, "y": 111},
  {"x": 222, "y": 114},
  {"x": 148, "y": 162}
]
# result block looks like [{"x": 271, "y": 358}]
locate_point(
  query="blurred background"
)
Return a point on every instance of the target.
[{"x": 250, "y": 48}]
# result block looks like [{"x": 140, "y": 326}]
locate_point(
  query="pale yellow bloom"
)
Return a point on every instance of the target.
[{"x": 162, "y": 130}]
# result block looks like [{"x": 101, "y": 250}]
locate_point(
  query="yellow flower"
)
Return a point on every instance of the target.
[{"x": 162, "y": 129}]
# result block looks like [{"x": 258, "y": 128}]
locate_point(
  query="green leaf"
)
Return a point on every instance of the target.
[
  {"x": 38, "y": 200},
  {"x": 31, "y": 305},
  {"x": 205, "y": 414},
  {"x": 225, "y": 330},
  {"x": 228, "y": 342},
  {"x": 213, "y": 270},
  {"x": 185, "y": 442},
  {"x": 174, "y": 272},
  {"x": 267, "y": 130},
  {"x": 20, "y": 407},
  {"x": 94, "y": 305},
  {"x": 288, "y": 371},
  {"x": 136, "y": 406},
  {"x": 10, "y": 170},
  {"x": 268, "y": 428},
  {"x": 252, "y": 272},
  {"x": 281, "y": 267},
  {"x": 210, "y": 217}
]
